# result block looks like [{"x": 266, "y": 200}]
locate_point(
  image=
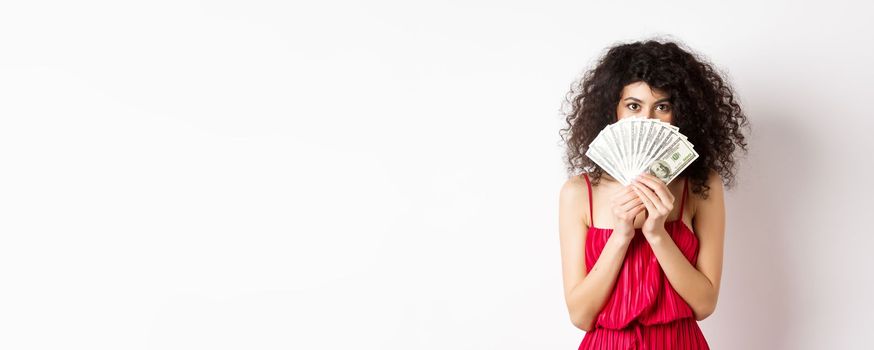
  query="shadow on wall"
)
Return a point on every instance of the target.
[{"x": 758, "y": 306}]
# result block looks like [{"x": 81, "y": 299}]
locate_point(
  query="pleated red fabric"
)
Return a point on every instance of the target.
[{"x": 643, "y": 311}]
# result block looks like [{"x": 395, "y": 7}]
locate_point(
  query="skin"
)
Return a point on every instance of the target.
[{"x": 646, "y": 204}]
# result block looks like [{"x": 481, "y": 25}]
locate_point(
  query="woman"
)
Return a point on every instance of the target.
[{"x": 641, "y": 264}]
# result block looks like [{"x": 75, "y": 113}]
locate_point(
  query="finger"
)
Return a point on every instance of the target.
[
  {"x": 644, "y": 190},
  {"x": 638, "y": 209},
  {"x": 646, "y": 202},
  {"x": 658, "y": 186},
  {"x": 630, "y": 198},
  {"x": 648, "y": 206},
  {"x": 637, "y": 212},
  {"x": 631, "y": 204},
  {"x": 649, "y": 198},
  {"x": 625, "y": 195},
  {"x": 661, "y": 189},
  {"x": 634, "y": 212}
]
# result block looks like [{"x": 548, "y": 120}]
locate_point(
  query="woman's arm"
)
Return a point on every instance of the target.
[
  {"x": 585, "y": 293},
  {"x": 698, "y": 285}
]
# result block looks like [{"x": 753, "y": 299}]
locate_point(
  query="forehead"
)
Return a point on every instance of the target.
[{"x": 643, "y": 91}]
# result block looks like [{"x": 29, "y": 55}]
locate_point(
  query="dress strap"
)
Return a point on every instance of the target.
[
  {"x": 589, "y": 184},
  {"x": 683, "y": 200}
]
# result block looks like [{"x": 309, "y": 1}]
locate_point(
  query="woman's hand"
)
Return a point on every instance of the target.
[
  {"x": 659, "y": 203},
  {"x": 625, "y": 205}
]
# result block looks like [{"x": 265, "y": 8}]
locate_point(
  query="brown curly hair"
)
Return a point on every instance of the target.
[{"x": 704, "y": 105}]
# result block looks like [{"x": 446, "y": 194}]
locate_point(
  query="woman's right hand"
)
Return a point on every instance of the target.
[{"x": 626, "y": 205}]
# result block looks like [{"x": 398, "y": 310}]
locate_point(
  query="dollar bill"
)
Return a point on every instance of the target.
[
  {"x": 635, "y": 145},
  {"x": 673, "y": 160}
]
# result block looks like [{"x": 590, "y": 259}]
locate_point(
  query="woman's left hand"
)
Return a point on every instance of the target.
[{"x": 659, "y": 203}]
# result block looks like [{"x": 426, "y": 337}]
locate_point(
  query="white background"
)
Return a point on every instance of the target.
[{"x": 385, "y": 175}]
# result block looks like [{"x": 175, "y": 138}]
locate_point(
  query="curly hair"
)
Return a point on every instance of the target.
[{"x": 704, "y": 105}]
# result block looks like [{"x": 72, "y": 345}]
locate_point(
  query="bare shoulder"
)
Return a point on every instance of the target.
[
  {"x": 713, "y": 178},
  {"x": 714, "y": 181},
  {"x": 574, "y": 197},
  {"x": 572, "y": 191},
  {"x": 573, "y": 206},
  {"x": 715, "y": 195}
]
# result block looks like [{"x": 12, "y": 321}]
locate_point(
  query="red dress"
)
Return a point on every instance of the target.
[{"x": 643, "y": 311}]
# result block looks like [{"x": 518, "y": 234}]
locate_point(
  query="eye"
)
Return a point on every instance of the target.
[
  {"x": 667, "y": 106},
  {"x": 630, "y": 104}
]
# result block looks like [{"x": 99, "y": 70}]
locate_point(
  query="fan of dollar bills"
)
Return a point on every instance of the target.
[{"x": 635, "y": 145}]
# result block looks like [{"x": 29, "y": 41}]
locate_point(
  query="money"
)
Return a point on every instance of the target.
[{"x": 634, "y": 145}]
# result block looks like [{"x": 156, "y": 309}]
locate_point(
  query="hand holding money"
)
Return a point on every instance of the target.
[
  {"x": 636, "y": 145},
  {"x": 626, "y": 205},
  {"x": 659, "y": 202}
]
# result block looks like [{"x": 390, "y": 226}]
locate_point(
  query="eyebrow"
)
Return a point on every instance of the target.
[{"x": 660, "y": 100}]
